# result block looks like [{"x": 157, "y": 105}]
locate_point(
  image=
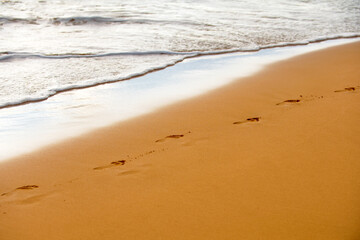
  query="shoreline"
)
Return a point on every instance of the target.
[
  {"x": 75, "y": 113},
  {"x": 271, "y": 156},
  {"x": 187, "y": 55}
]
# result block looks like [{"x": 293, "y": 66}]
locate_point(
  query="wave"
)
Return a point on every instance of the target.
[
  {"x": 186, "y": 55},
  {"x": 66, "y": 88},
  {"x": 6, "y": 20},
  {"x": 95, "y": 20},
  {"x": 90, "y": 20},
  {"x": 108, "y": 20},
  {"x": 10, "y": 55}
]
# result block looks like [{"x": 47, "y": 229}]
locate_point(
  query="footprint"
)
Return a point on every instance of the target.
[
  {"x": 254, "y": 119},
  {"x": 120, "y": 162},
  {"x": 348, "y": 89},
  {"x": 112, "y": 164},
  {"x": 25, "y": 187},
  {"x": 289, "y": 101},
  {"x": 28, "y": 187},
  {"x": 171, "y": 137}
]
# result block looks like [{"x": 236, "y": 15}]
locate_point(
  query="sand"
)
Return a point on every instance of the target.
[{"x": 271, "y": 156}]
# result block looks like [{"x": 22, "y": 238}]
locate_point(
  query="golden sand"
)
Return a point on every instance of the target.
[{"x": 273, "y": 156}]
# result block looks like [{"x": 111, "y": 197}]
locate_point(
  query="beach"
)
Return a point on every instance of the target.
[{"x": 273, "y": 156}]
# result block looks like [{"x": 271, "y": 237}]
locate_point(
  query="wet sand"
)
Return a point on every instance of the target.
[{"x": 273, "y": 156}]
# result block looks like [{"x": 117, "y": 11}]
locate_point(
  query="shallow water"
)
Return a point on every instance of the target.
[{"x": 49, "y": 46}]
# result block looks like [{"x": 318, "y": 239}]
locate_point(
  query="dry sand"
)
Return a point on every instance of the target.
[{"x": 240, "y": 162}]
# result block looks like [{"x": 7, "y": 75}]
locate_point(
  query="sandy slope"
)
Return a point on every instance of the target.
[{"x": 241, "y": 162}]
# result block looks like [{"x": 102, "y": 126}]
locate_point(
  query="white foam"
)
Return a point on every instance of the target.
[{"x": 44, "y": 94}]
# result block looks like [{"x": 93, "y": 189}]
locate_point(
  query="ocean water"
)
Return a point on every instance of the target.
[{"x": 47, "y": 47}]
